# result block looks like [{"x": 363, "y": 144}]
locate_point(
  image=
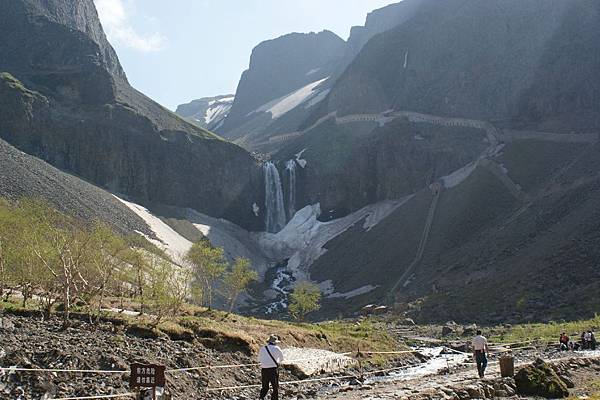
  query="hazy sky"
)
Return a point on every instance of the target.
[{"x": 178, "y": 50}]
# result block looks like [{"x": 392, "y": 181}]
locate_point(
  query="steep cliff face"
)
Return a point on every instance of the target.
[
  {"x": 350, "y": 166},
  {"x": 281, "y": 66},
  {"x": 22, "y": 175},
  {"x": 378, "y": 21},
  {"x": 66, "y": 100},
  {"x": 507, "y": 61}
]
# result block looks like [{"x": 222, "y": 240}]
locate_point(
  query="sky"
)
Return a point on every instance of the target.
[{"x": 178, "y": 50}]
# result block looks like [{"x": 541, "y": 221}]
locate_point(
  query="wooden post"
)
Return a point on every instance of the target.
[
  {"x": 154, "y": 393},
  {"x": 360, "y": 367}
]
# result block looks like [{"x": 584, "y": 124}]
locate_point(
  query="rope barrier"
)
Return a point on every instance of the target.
[
  {"x": 304, "y": 381},
  {"x": 78, "y": 371},
  {"x": 99, "y": 371},
  {"x": 102, "y": 396},
  {"x": 286, "y": 362},
  {"x": 390, "y": 352}
]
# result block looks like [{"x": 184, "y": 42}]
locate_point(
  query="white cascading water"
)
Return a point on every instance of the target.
[
  {"x": 290, "y": 167},
  {"x": 274, "y": 205}
]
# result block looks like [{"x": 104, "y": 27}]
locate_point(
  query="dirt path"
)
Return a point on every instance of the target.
[{"x": 462, "y": 382}]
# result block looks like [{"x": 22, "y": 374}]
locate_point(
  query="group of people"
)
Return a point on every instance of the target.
[
  {"x": 271, "y": 356},
  {"x": 587, "y": 342}
]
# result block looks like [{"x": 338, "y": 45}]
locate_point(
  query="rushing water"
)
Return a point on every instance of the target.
[
  {"x": 275, "y": 209},
  {"x": 290, "y": 167}
]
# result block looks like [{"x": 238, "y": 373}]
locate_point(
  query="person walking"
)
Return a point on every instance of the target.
[
  {"x": 480, "y": 353},
  {"x": 270, "y": 356}
]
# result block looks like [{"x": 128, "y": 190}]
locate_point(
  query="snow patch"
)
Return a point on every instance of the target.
[
  {"x": 314, "y": 361},
  {"x": 303, "y": 239},
  {"x": 458, "y": 176},
  {"x": 301, "y": 162},
  {"x": 170, "y": 241},
  {"x": 382, "y": 211},
  {"x": 235, "y": 241},
  {"x": 353, "y": 293},
  {"x": 282, "y": 105},
  {"x": 313, "y": 71},
  {"x": 217, "y": 112}
]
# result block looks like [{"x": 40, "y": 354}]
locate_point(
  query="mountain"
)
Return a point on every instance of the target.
[
  {"x": 207, "y": 112},
  {"x": 471, "y": 119},
  {"x": 283, "y": 73},
  {"x": 65, "y": 99},
  {"x": 481, "y": 60},
  {"x": 419, "y": 72}
]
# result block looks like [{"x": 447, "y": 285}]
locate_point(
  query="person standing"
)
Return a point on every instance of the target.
[
  {"x": 587, "y": 340},
  {"x": 564, "y": 342},
  {"x": 480, "y": 353},
  {"x": 270, "y": 356}
]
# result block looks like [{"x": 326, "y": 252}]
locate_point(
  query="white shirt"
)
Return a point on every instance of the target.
[
  {"x": 265, "y": 360},
  {"x": 479, "y": 342}
]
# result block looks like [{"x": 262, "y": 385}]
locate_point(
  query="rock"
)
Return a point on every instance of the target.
[
  {"x": 539, "y": 379},
  {"x": 407, "y": 321},
  {"x": 6, "y": 325},
  {"x": 447, "y": 330},
  {"x": 469, "y": 330},
  {"x": 475, "y": 392}
]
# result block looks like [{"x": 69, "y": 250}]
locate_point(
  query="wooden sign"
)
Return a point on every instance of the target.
[{"x": 147, "y": 376}]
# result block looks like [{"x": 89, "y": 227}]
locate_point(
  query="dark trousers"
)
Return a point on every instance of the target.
[
  {"x": 481, "y": 360},
  {"x": 270, "y": 375}
]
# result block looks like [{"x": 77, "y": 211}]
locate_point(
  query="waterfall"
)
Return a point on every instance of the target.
[
  {"x": 275, "y": 209},
  {"x": 290, "y": 166}
]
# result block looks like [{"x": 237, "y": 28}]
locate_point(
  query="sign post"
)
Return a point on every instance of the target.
[{"x": 147, "y": 376}]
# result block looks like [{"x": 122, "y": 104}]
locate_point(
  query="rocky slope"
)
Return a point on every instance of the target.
[
  {"x": 278, "y": 68},
  {"x": 22, "y": 175},
  {"x": 65, "y": 99},
  {"x": 482, "y": 60},
  {"x": 207, "y": 112}
]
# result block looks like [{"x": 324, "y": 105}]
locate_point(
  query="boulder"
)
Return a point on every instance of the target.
[
  {"x": 447, "y": 330},
  {"x": 539, "y": 379},
  {"x": 470, "y": 330}
]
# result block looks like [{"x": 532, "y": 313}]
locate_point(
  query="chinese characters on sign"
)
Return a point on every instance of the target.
[{"x": 148, "y": 376}]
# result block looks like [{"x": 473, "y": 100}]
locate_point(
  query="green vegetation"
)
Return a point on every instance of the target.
[
  {"x": 62, "y": 264},
  {"x": 550, "y": 331},
  {"x": 238, "y": 279},
  {"x": 539, "y": 379},
  {"x": 594, "y": 391},
  {"x": 16, "y": 84},
  {"x": 304, "y": 299},
  {"x": 208, "y": 264}
]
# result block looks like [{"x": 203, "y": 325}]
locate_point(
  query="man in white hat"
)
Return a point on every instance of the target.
[{"x": 270, "y": 356}]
